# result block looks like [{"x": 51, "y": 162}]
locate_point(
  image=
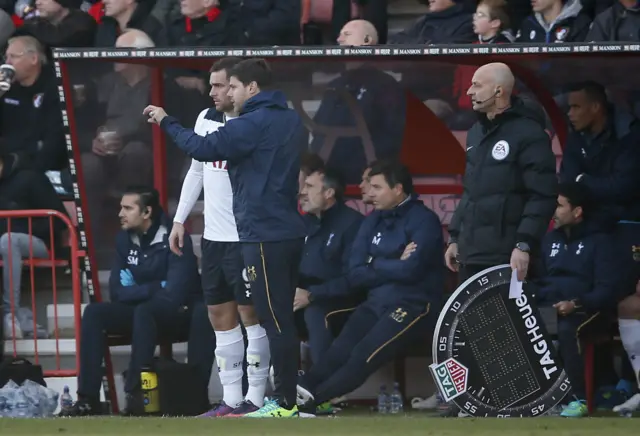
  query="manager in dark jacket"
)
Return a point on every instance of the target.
[
  {"x": 509, "y": 183},
  {"x": 323, "y": 287},
  {"x": 262, "y": 148},
  {"x": 397, "y": 258},
  {"x": 153, "y": 292},
  {"x": 579, "y": 278}
]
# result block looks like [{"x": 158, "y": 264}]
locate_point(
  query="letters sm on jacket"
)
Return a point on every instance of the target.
[
  {"x": 262, "y": 148},
  {"x": 580, "y": 266},
  {"x": 151, "y": 263},
  {"x": 375, "y": 257}
]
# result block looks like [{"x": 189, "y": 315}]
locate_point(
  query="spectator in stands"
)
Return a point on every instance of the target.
[
  {"x": 555, "y": 21},
  {"x": 323, "y": 291},
  {"x": 579, "y": 277},
  {"x": 6, "y": 27},
  {"x": 491, "y": 23},
  {"x": 629, "y": 324},
  {"x": 509, "y": 182},
  {"x": 618, "y": 23},
  {"x": 60, "y": 23},
  {"x": 153, "y": 293},
  {"x": 363, "y": 98},
  {"x": 602, "y": 153},
  {"x": 120, "y": 152},
  {"x": 268, "y": 22},
  {"x": 126, "y": 14},
  {"x": 30, "y": 118},
  {"x": 201, "y": 23},
  {"x": 22, "y": 188},
  {"x": 396, "y": 258},
  {"x": 447, "y": 22},
  {"x": 374, "y": 11}
]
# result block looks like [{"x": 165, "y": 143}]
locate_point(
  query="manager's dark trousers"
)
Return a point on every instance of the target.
[
  {"x": 572, "y": 331},
  {"x": 272, "y": 270},
  {"x": 369, "y": 340},
  {"x": 145, "y": 323}
]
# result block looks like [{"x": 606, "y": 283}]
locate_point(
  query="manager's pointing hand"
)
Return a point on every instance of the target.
[{"x": 156, "y": 114}]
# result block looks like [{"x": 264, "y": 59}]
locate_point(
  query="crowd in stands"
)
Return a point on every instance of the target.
[{"x": 113, "y": 137}]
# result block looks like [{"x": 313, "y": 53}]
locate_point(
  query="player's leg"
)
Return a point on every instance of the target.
[
  {"x": 272, "y": 270},
  {"x": 629, "y": 322},
  {"x": 223, "y": 314},
  {"x": 390, "y": 334},
  {"x": 258, "y": 353}
]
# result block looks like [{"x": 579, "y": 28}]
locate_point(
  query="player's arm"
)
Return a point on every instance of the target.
[
  {"x": 232, "y": 142},
  {"x": 427, "y": 235},
  {"x": 361, "y": 274},
  {"x": 191, "y": 189},
  {"x": 181, "y": 273}
]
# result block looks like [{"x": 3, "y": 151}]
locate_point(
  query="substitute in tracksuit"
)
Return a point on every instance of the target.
[
  {"x": 509, "y": 182},
  {"x": 153, "y": 293},
  {"x": 397, "y": 258},
  {"x": 262, "y": 148},
  {"x": 555, "y": 21},
  {"x": 323, "y": 291},
  {"x": 579, "y": 277}
]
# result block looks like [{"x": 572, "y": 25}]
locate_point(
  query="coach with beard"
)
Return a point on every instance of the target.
[{"x": 510, "y": 180}]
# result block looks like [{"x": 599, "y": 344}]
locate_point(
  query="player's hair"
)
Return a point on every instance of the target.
[
  {"x": 31, "y": 45},
  {"x": 253, "y": 70},
  {"x": 333, "y": 179},
  {"x": 576, "y": 194},
  {"x": 147, "y": 197},
  {"x": 394, "y": 172},
  {"x": 310, "y": 163},
  {"x": 595, "y": 92},
  {"x": 225, "y": 64},
  {"x": 498, "y": 11}
]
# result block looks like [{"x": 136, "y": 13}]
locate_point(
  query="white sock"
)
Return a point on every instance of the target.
[
  {"x": 258, "y": 359},
  {"x": 229, "y": 357},
  {"x": 630, "y": 336}
]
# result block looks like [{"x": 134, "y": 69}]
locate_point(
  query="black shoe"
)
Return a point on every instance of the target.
[
  {"x": 81, "y": 408},
  {"x": 134, "y": 405}
]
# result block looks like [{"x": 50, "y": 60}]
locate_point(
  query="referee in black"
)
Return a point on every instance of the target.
[{"x": 262, "y": 148}]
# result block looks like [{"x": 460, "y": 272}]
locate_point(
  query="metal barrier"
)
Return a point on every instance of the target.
[{"x": 51, "y": 261}]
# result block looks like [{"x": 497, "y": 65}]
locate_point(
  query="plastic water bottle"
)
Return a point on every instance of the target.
[
  {"x": 383, "y": 400},
  {"x": 395, "y": 400},
  {"x": 21, "y": 408},
  {"x": 66, "y": 401}
]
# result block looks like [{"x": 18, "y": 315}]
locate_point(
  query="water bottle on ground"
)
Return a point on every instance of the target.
[
  {"x": 395, "y": 400},
  {"x": 66, "y": 401},
  {"x": 383, "y": 400}
]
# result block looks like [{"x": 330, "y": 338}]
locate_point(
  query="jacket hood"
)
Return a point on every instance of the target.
[
  {"x": 520, "y": 108},
  {"x": 265, "y": 99},
  {"x": 571, "y": 9}
]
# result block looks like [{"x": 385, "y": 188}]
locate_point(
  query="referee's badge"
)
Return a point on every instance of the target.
[{"x": 500, "y": 151}]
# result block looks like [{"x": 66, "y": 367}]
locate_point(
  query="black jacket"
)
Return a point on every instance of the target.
[
  {"x": 327, "y": 251},
  {"x": 571, "y": 25},
  {"x": 262, "y": 148},
  {"x": 77, "y": 29},
  {"x": 221, "y": 31},
  {"x": 109, "y": 30},
  {"x": 582, "y": 265},
  {"x": 509, "y": 186},
  {"x": 609, "y": 164},
  {"x": 22, "y": 188},
  {"x": 451, "y": 26},
  {"x": 268, "y": 22},
  {"x": 616, "y": 24},
  {"x": 31, "y": 123}
]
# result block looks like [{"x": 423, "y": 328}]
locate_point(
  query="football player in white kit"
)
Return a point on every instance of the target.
[{"x": 226, "y": 289}]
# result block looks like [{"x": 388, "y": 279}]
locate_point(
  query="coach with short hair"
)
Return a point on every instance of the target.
[
  {"x": 262, "y": 147},
  {"x": 509, "y": 183}
]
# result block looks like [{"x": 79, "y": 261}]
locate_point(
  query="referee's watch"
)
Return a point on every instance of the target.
[{"x": 523, "y": 246}]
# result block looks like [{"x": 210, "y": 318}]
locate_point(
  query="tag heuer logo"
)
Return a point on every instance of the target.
[{"x": 451, "y": 377}]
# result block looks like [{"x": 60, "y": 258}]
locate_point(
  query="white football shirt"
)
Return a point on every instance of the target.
[{"x": 219, "y": 222}]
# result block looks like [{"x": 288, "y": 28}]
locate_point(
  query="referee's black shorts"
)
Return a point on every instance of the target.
[{"x": 222, "y": 274}]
